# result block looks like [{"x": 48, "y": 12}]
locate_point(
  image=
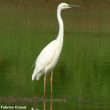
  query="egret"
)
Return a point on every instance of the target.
[{"x": 49, "y": 56}]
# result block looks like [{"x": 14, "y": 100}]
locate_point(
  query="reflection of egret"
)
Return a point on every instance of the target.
[
  {"x": 51, "y": 105},
  {"x": 34, "y": 109},
  {"x": 44, "y": 106},
  {"x": 49, "y": 56}
]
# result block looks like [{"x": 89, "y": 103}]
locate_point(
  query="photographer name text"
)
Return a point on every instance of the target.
[{"x": 11, "y": 107}]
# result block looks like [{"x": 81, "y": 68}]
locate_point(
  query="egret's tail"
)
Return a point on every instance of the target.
[
  {"x": 36, "y": 75},
  {"x": 33, "y": 77}
]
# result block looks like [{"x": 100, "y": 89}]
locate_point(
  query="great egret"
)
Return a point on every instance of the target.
[{"x": 49, "y": 56}]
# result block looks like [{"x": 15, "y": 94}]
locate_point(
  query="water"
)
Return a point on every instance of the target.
[{"x": 81, "y": 77}]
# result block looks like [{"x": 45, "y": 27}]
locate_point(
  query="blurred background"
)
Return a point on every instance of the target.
[{"x": 82, "y": 75}]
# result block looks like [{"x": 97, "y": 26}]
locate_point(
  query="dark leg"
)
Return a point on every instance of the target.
[
  {"x": 51, "y": 104},
  {"x": 44, "y": 106},
  {"x": 51, "y": 79},
  {"x": 44, "y": 85}
]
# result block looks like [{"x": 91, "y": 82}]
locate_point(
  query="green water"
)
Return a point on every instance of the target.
[{"x": 81, "y": 79}]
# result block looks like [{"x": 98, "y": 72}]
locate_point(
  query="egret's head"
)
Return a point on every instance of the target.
[{"x": 65, "y": 6}]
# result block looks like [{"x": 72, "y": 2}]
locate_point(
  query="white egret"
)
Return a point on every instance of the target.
[{"x": 49, "y": 56}]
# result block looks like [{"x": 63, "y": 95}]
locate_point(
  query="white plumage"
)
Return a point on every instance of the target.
[{"x": 47, "y": 59}]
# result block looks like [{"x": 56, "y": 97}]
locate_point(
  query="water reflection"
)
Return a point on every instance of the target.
[
  {"x": 44, "y": 105},
  {"x": 34, "y": 108},
  {"x": 51, "y": 104}
]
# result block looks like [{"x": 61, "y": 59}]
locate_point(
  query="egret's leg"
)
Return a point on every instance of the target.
[
  {"x": 51, "y": 104},
  {"x": 44, "y": 106},
  {"x": 51, "y": 79},
  {"x": 44, "y": 85}
]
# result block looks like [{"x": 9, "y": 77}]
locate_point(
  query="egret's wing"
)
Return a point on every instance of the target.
[{"x": 45, "y": 57}]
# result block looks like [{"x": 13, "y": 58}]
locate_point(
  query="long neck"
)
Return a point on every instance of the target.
[{"x": 61, "y": 26}]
